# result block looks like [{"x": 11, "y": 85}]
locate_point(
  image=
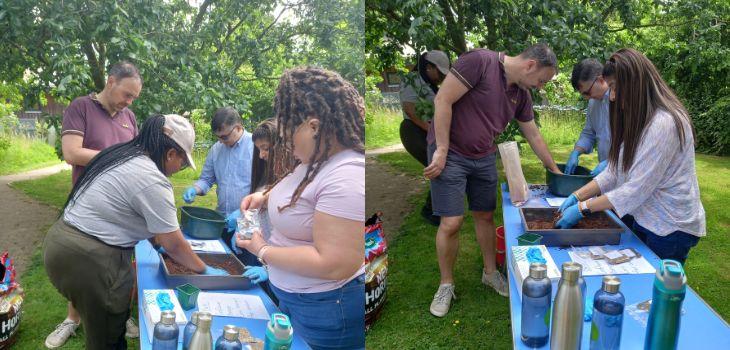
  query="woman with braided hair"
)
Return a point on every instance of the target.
[
  {"x": 315, "y": 253},
  {"x": 122, "y": 197}
]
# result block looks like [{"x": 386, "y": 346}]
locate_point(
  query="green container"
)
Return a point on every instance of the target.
[
  {"x": 564, "y": 185},
  {"x": 187, "y": 295},
  {"x": 202, "y": 223},
  {"x": 529, "y": 238}
]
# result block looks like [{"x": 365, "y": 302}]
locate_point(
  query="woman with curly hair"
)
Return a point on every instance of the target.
[{"x": 315, "y": 253}]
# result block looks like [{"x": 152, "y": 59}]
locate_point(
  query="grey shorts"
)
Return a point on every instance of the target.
[{"x": 475, "y": 178}]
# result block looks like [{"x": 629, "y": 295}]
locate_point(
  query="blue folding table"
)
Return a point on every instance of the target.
[
  {"x": 701, "y": 327},
  {"x": 149, "y": 277}
]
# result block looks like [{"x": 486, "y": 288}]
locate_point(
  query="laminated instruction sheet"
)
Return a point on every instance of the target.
[
  {"x": 602, "y": 267},
  {"x": 207, "y": 245},
  {"x": 233, "y": 305}
]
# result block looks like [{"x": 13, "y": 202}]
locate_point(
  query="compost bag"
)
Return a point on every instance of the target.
[
  {"x": 518, "y": 191},
  {"x": 11, "y": 300},
  {"x": 376, "y": 269}
]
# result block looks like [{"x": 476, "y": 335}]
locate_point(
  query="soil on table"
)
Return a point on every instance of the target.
[
  {"x": 176, "y": 268},
  {"x": 590, "y": 224}
]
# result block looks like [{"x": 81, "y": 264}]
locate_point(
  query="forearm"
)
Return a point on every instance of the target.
[
  {"x": 421, "y": 124},
  {"x": 580, "y": 149},
  {"x": 588, "y": 191},
  {"x": 80, "y": 156},
  {"x": 599, "y": 204},
  {"x": 539, "y": 146},
  {"x": 179, "y": 249},
  {"x": 442, "y": 127}
]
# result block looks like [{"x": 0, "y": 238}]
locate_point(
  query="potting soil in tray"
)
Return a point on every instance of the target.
[
  {"x": 542, "y": 224},
  {"x": 176, "y": 268}
]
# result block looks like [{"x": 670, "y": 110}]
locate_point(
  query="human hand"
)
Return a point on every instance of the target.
[
  {"x": 438, "y": 162},
  {"x": 256, "y": 273},
  {"x": 253, "y": 201},
  {"x": 189, "y": 195},
  {"x": 233, "y": 242},
  {"x": 570, "y": 217},
  {"x": 600, "y": 167},
  {"x": 212, "y": 271},
  {"x": 572, "y": 162},
  {"x": 160, "y": 250},
  {"x": 254, "y": 244},
  {"x": 232, "y": 219},
  {"x": 569, "y": 202}
]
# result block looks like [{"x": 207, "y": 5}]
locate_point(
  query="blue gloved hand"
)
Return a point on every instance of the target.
[
  {"x": 572, "y": 163},
  {"x": 571, "y": 216},
  {"x": 212, "y": 271},
  {"x": 161, "y": 250},
  {"x": 189, "y": 195},
  {"x": 232, "y": 219},
  {"x": 235, "y": 247},
  {"x": 569, "y": 202},
  {"x": 600, "y": 167},
  {"x": 256, "y": 273}
]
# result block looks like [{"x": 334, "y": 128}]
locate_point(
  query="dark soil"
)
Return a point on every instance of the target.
[
  {"x": 590, "y": 224},
  {"x": 176, "y": 268}
]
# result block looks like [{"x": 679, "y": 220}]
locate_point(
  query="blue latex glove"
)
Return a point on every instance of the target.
[
  {"x": 161, "y": 250},
  {"x": 571, "y": 216},
  {"x": 600, "y": 167},
  {"x": 572, "y": 163},
  {"x": 189, "y": 195},
  {"x": 256, "y": 273},
  {"x": 534, "y": 255},
  {"x": 211, "y": 271},
  {"x": 235, "y": 247},
  {"x": 232, "y": 219},
  {"x": 588, "y": 315},
  {"x": 569, "y": 202}
]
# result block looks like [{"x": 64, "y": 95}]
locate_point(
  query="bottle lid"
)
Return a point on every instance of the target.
[
  {"x": 280, "y": 327},
  {"x": 611, "y": 284},
  {"x": 538, "y": 270},
  {"x": 167, "y": 317},
  {"x": 230, "y": 332},
  {"x": 204, "y": 321},
  {"x": 194, "y": 317},
  {"x": 670, "y": 277},
  {"x": 572, "y": 271}
]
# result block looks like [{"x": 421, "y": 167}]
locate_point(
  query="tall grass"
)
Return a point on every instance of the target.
[
  {"x": 26, "y": 153},
  {"x": 383, "y": 129},
  {"x": 199, "y": 155},
  {"x": 561, "y": 127}
]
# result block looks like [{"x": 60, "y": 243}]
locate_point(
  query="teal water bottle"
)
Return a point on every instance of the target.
[
  {"x": 670, "y": 286},
  {"x": 279, "y": 333}
]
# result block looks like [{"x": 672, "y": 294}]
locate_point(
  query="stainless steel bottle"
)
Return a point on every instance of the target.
[
  {"x": 670, "y": 286},
  {"x": 202, "y": 338},
  {"x": 567, "y": 323},
  {"x": 190, "y": 329}
]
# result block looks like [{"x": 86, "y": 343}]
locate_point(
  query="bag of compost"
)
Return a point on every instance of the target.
[
  {"x": 376, "y": 269},
  {"x": 11, "y": 300}
]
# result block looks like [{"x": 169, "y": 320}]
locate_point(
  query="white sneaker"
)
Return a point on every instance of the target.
[
  {"x": 497, "y": 281},
  {"x": 64, "y": 330},
  {"x": 442, "y": 300},
  {"x": 132, "y": 329}
]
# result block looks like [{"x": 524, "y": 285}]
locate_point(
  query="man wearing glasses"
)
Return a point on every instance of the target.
[
  {"x": 588, "y": 81},
  {"x": 228, "y": 164}
]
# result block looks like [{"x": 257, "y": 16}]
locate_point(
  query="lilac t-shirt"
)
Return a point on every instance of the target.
[
  {"x": 337, "y": 190},
  {"x": 86, "y": 117},
  {"x": 482, "y": 114}
]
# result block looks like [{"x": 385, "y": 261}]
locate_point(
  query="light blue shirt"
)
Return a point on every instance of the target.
[
  {"x": 597, "y": 128},
  {"x": 230, "y": 168}
]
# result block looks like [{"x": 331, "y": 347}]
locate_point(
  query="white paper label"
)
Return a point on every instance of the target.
[
  {"x": 597, "y": 250},
  {"x": 628, "y": 253},
  {"x": 613, "y": 255}
]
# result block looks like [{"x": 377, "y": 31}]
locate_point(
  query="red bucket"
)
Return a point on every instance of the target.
[{"x": 500, "y": 245}]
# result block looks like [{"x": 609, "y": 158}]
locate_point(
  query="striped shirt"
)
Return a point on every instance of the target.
[{"x": 660, "y": 190}]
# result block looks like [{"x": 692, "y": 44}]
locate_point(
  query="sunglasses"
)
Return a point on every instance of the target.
[
  {"x": 184, "y": 163},
  {"x": 225, "y": 138}
]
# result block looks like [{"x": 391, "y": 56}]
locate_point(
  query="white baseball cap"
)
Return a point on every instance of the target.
[
  {"x": 180, "y": 131},
  {"x": 440, "y": 59}
]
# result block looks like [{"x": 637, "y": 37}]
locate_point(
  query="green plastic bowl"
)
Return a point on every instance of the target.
[
  {"x": 202, "y": 223},
  {"x": 564, "y": 185}
]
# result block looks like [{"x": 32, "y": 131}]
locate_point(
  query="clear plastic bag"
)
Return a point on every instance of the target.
[
  {"x": 518, "y": 191},
  {"x": 248, "y": 223}
]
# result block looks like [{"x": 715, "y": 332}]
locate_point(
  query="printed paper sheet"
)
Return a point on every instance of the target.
[{"x": 233, "y": 305}]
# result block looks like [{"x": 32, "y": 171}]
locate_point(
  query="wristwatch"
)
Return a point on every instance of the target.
[{"x": 585, "y": 211}]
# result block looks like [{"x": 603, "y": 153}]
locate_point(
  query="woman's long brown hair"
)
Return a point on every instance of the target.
[
  {"x": 261, "y": 172},
  {"x": 639, "y": 92}
]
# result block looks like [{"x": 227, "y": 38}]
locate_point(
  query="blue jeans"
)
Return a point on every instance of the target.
[
  {"x": 675, "y": 246},
  {"x": 328, "y": 320}
]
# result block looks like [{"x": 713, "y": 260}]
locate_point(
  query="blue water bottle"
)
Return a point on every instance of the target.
[
  {"x": 536, "y": 292},
  {"x": 166, "y": 332},
  {"x": 670, "y": 285},
  {"x": 608, "y": 311},
  {"x": 189, "y": 330},
  {"x": 279, "y": 333},
  {"x": 229, "y": 339}
]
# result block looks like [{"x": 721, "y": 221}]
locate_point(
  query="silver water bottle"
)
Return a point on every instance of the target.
[
  {"x": 567, "y": 323},
  {"x": 202, "y": 338}
]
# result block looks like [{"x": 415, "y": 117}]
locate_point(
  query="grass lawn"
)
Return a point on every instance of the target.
[
  {"x": 25, "y": 154},
  {"x": 483, "y": 316},
  {"x": 44, "y": 308},
  {"x": 384, "y": 129}
]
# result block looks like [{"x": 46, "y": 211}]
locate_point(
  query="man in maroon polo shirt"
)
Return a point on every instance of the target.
[
  {"x": 91, "y": 124},
  {"x": 483, "y": 91}
]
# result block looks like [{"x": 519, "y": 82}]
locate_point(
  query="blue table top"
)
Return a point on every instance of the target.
[
  {"x": 148, "y": 277},
  {"x": 701, "y": 327}
]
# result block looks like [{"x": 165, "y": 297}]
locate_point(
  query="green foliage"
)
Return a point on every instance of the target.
[
  {"x": 384, "y": 128},
  {"x": 713, "y": 128},
  {"x": 24, "y": 153}
]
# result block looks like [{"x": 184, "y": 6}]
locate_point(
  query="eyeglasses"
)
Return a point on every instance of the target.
[
  {"x": 225, "y": 138},
  {"x": 588, "y": 93}
]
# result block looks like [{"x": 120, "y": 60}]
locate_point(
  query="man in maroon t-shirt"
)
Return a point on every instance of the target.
[
  {"x": 91, "y": 124},
  {"x": 483, "y": 91}
]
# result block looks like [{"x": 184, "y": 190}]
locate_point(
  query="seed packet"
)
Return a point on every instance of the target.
[
  {"x": 616, "y": 257},
  {"x": 248, "y": 223}
]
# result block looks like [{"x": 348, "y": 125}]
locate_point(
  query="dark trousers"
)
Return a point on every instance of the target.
[
  {"x": 413, "y": 139},
  {"x": 96, "y": 278},
  {"x": 674, "y": 246}
]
